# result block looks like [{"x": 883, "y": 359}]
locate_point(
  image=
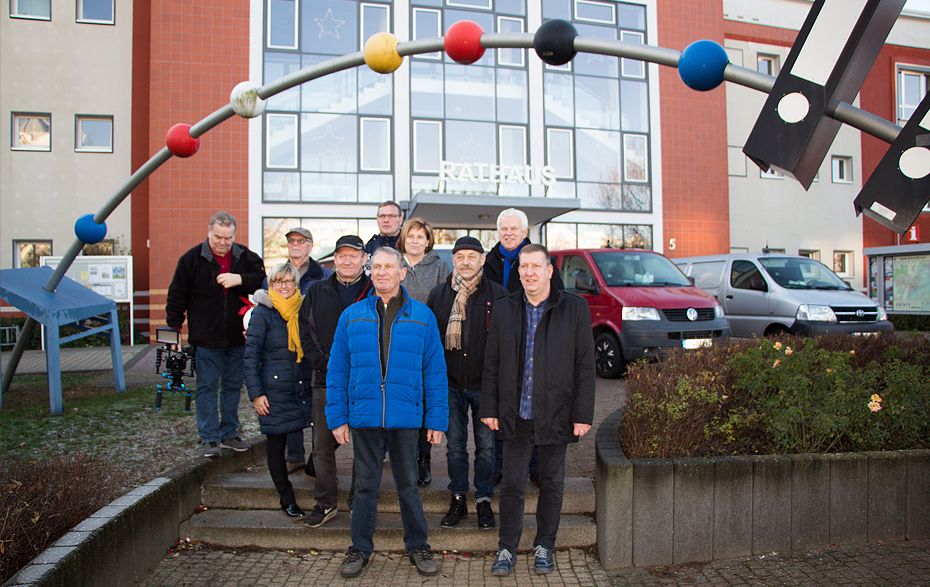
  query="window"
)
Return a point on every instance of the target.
[
  {"x": 772, "y": 173},
  {"x": 96, "y": 11},
  {"x": 912, "y": 87},
  {"x": 281, "y": 141},
  {"x": 106, "y": 247},
  {"x": 810, "y": 254},
  {"x": 31, "y": 131},
  {"x": 559, "y": 153},
  {"x": 510, "y": 56},
  {"x": 427, "y": 24},
  {"x": 376, "y": 144},
  {"x": 427, "y": 146},
  {"x": 843, "y": 263},
  {"x": 745, "y": 275},
  {"x": 35, "y": 9},
  {"x": 575, "y": 271},
  {"x": 93, "y": 134},
  {"x": 589, "y": 11},
  {"x": 374, "y": 20},
  {"x": 842, "y": 169},
  {"x": 632, "y": 67},
  {"x": 282, "y": 24},
  {"x": 707, "y": 275},
  {"x": 635, "y": 166},
  {"x": 27, "y": 253},
  {"x": 767, "y": 64}
]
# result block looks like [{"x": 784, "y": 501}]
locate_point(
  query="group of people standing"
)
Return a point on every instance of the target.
[{"x": 396, "y": 357}]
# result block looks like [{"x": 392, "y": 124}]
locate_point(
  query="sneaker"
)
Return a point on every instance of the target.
[
  {"x": 457, "y": 511},
  {"x": 293, "y": 467},
  {"x": 485, "y": 515},
  {"x": 353, "y": 565},
  {"x": 212, "y": 449},
  {"x": 422, "y": 558},
  {"x": 320, "y": 516},
  {"x": 236, "y": 443},
  {"x": 542, "y": 561},
  {"x": 503, "y": 564}
]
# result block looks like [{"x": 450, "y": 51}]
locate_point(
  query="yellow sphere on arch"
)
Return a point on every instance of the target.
[{"x": 381, "y": 53}]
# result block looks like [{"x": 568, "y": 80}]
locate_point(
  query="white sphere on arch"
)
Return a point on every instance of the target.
[{"x": 245, "y": 101}]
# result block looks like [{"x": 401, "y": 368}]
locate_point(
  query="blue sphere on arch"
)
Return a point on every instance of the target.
[
  {"x": 701, "y": 65},
  {"x": 88, "y": 231}
]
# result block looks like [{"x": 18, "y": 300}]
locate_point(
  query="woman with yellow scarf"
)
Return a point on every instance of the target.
[{"x": 277, "y": 377}]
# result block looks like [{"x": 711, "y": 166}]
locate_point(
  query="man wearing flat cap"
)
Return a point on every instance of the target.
[{"x": 462, "y": 305}]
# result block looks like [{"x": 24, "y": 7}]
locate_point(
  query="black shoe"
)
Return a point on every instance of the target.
[
  {"x": 309, "y": 470},
  {"x": 496, "y": 479},
  {"x": 292, "y": 510},
  {"x": 320, "y": 516},
  {"x": 353, "y": 564},
  {"x": 534, "y": 479},
  {"x": 457, "y": 511},
  {"x": 422, "y": 559},
  {"x": 424, "y": 476},
  {"x": 293, "y": 467},
  {"x": 485, "y": 515}
]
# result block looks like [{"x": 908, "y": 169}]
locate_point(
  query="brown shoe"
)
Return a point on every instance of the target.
[{"x": 293, "y": 467}]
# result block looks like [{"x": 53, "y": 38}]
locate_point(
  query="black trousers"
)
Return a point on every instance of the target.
[{"x": 277, "y": 466}]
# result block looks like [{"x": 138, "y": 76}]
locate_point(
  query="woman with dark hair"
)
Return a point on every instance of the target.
[
  {"x": 425, "y": 270},
  {"x": 277, "y": 377}
]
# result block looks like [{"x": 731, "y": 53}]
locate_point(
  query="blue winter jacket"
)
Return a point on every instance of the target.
[
  {"x": 273, "y": 371},
  {"x": 416, "y": 372}
]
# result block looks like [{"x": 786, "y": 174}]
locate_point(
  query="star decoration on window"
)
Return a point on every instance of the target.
[
  {"x": 329, "y": 21},
  {"x": 328, "y": 142},
  {"x": 474, "y": 150}
]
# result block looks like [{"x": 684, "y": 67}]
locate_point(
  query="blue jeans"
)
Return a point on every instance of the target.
[
  {"x": 368, "y": 445},
  {"x": 457, "y": 445},
  {"x": 517, "y": 455},
  {"x": 211, "y": 364}
]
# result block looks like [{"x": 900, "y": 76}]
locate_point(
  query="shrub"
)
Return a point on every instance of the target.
[
  {"x": 41, "y": 500},
  {"x": 791, "y": 395}
]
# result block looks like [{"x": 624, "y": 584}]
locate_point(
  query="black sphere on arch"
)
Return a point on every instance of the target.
[{"x": 554, "y": 42}]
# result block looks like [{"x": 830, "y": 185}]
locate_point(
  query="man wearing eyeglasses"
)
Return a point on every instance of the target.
[
  {"x": 390, "y": 217},
  {"x": 299, "y": 245}
]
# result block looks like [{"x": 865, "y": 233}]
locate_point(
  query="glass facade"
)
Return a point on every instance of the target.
[{"x": 335, "y": 140}]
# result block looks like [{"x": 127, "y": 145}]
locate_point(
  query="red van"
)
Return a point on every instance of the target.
[{"x": 640, "y": 303}]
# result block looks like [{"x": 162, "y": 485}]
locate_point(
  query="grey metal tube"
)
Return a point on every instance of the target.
[
  {"x": 211, "y": 120},
  {"x": 507, "y": 40},
  {"x": 308, "y": 73},
  {"x": 421, "y": 46},
  {"x": 748, "y": 78},
  {"x": 24, "y": 335},
  {"x": 648, "y": 53},
  {"x": 132, "y": 183},
  {"x": 865, "y": 121}
]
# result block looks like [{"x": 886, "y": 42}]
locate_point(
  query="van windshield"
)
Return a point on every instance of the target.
[
  {"x": 626, "y": 269},
  {"x": 802, "y": 274}
]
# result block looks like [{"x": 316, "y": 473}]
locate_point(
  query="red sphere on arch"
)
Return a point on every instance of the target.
[
  {"x": 180, "y": 142},
  {"x": 463, "y": 42}
]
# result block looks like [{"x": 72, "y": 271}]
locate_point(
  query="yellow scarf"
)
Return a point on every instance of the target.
[{"x": 289, "y": 308}]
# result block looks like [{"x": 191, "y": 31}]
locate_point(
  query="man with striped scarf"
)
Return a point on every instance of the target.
[{"x": 462, "y": 306}]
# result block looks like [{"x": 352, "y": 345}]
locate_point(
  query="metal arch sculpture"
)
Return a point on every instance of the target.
[{"x": 700, "y": 67}]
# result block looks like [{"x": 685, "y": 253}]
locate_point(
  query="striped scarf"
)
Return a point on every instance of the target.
[{"x": 462, "y": 288}]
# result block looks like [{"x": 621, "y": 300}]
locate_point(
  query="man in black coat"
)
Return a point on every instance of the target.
[
  {"x": 537, "y": 389},
  {"x": 323, "y": 304},
  {"x": 211, "y": 285},
  {"x": 390, "y": 218},
  {"x": 462, "y": 306}
]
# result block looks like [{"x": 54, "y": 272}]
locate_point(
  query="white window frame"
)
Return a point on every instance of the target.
[
  {"x": 437, "y": 55},
  {"x": 78, "y": 13},
  {"x": 487, "y": 5},
  {"x": 14, "y": 7},
  {"x": 363, "y": 140},
  {"x": 842, "y": 169},
  {"x": 14, "y": 134},
  {"x": 772, "y": 173},
  {"x": 611, "y": 6},
  {"x": 362, "y": 9},
  {"x": 296, "y": 28},
  {"x": 269, "y": 143},
  {"x": 417, "y": 167},
  {"x": 625, "y": 63},
  {"x": 571, "y": 144},
  {"x": 850, "y": 264},
  {"x": 520, "y": 52},
  {"x": 78, "y": 147},
  {"x": 769, "y": 58},
  {"x": 907, "y": 70},
  {"x": 18, "y": 244},
  {"x": 500, "y": 141},
  {"x": 629, "y": 138},
  {"x": 810, "y": 253}
]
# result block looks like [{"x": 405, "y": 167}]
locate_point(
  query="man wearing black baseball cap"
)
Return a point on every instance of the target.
[
  {"x": 462, "y": 305},
  {"x": 323, "y": 304}
]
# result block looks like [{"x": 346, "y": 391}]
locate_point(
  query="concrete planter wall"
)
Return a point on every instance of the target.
[
  {"x": 121, "y": 541},
  {"x": 670, "y": 511}
]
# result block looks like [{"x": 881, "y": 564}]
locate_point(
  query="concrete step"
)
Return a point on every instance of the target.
[
  {"x": 267, "y": 529},
  {"x": 254, "y": 490}
]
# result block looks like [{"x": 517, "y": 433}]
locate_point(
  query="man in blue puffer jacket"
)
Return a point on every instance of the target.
[{"x": 385, "y": 380}]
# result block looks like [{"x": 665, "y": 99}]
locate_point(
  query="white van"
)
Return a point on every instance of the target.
[{"x": 773, "y": 293}]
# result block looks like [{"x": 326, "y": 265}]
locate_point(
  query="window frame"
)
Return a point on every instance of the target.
[
  {"x": 14, "y": 133},
  {"x": 500, "y": 142},
  {"x": 905, "y": 69},
  {"x": 502, "y": 52},
  {"x": 810, "y": 253},
  {"x": 643, "y": 139},
  {"x": 571, "y": 144},
  {"x": 268, "y": 144},
  {"x": 17, "y": 249},
  {"x": 839, "y": 163},
  {"x": 80, "y": 20},
  {"x": 439, "y": 124},
  {"x": 29, "y": 16},
  {"x": 362, "y": 6},
  {"x": 78, "y": 118},
  {"x": 772, "y": 58},
  {"x": 611, "y": 5},
  {"x": 625, "y": 62},
  {"x": 472, "y": 6},
  {"x": 268, "y": 22},
  {"x": 361, "y": 142},
  {"x": 849, "y": 260},
  {"x": 437, "y": 55}
]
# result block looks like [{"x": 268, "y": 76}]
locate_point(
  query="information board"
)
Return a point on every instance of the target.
[
  {"x": 109, "y": 276},
  {"x": 911, "y": 283}
]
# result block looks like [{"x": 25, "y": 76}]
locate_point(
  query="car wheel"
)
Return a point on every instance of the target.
[
  {"x": 777, "y": 330},
  {"x": 608, "y": 356}
]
